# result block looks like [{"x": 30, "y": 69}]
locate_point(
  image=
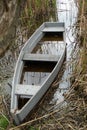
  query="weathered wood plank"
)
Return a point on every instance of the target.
[
  {"x": 26, "y": 90},
  {"x": 40, "y": 57},
  {"x": 53, "y": 29}
]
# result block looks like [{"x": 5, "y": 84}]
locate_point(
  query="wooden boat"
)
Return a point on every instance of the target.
[{"x": 38, "y": 64}]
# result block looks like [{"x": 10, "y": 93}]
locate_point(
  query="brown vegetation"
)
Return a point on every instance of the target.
[{"x": 82, "y": 59}]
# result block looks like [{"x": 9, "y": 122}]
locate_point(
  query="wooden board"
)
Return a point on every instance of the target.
[
  {"x": 27, "y": 90},
  {"x": 40, "y": 57},
  {"x": 53, "y": 29}
]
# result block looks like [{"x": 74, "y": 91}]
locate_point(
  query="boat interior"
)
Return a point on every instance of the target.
[{"x": 35, "y": 71}]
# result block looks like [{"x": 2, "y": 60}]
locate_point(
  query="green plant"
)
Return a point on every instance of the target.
[{"x": 3, "y": 123}]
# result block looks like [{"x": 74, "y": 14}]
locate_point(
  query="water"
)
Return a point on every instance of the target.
[
  {"x": 35, "y": 73},
  {"x": 50, "y": 44},
  {"x": 67, "y": 12}
]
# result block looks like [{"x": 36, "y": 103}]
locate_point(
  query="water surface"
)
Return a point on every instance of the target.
[{"x": 67, "y": 12}]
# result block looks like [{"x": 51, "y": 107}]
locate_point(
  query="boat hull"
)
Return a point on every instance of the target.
[{"x": 19, "y": 115}]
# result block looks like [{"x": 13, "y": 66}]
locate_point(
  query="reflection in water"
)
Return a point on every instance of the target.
[
  {"x": 49, "y": 47},
  {"x": 66, "y": 12},
  {"x": 50, "y": 44}
]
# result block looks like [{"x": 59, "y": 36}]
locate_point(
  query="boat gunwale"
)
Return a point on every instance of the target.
[{"x": 18, "y": 114}]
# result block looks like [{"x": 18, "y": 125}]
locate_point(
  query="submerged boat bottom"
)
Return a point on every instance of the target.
[{"x": 35, "y": 72}]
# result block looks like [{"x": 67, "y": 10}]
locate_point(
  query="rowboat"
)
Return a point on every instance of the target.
[{"x": 38, "y": 64}]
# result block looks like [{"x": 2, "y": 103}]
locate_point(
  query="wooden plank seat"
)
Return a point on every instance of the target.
[
  {"x": 26, "y": 90},
  {"x": 53, "y": 29},
  {"x": 40, "y": 57}
]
